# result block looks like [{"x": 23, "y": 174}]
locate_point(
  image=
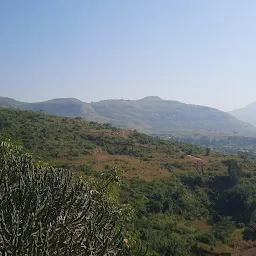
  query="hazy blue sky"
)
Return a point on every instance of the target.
[{"x": 194, "y": 51}]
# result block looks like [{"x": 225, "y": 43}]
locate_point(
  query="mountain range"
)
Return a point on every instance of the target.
[
  {"x": 148, "y": 114},
  {"x": 246, "y": 114}
]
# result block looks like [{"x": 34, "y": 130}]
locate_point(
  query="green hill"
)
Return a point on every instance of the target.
[
  {"x": 10, "y": 103},
  {"x": 187, "y": 200},
  {"x": 150, "y": 114},
  {"x": 153, "y": 113}
]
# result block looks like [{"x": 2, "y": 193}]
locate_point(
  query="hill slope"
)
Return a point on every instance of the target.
[
  {"x": 72, "y": 141},
  {"x": 75, "y": 142},
  {"x": 153, "y": 113},
  {"x": 148, "y": 114},
  {"x": 246, "y": 114},
  {"x": 11, "y": 103}
]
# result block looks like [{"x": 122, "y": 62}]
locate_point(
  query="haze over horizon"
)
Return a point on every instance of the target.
[{"x": 197, "y": 52}]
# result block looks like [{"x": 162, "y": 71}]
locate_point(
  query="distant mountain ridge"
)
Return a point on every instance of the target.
[
  {"x": 246, "y": 114},
  {"x": 147, "y": 114}
]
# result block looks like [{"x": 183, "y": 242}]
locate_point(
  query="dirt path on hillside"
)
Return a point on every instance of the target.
[{"x": 193, "y": 157}]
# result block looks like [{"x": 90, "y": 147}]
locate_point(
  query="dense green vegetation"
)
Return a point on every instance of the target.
[
  {"x": 187, "y": 200},
  {"x": 167, "y": 211},
  {"x": 147, "y": 114}
]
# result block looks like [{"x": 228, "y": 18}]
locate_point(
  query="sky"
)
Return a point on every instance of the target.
[{"x": 194, "y": 51}]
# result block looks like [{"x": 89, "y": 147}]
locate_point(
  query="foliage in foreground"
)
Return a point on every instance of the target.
[
  {"x": 47, "y": 211},
  {"x": 179, "y": 215}
]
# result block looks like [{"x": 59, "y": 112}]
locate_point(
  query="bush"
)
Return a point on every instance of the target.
[
  {"x": 252, "y": 223},
  {"x": 224, "y": 228},
  {"x": 178, "y": 165},
  {"x": 192, "y": 179},
  {"x": 207, "y": 238},
  {"x": 169, "y": 167}
]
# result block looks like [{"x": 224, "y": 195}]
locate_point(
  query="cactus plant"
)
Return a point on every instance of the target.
[{"x": 45, "y": 211}]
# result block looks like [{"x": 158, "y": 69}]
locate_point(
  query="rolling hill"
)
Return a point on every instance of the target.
[
  {"x": 246, "y": 114},
  {"x": 147, "y": 114}
]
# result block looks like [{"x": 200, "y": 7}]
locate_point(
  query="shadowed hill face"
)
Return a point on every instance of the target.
[
  {"x": 10, "y": 103},
  {"x": 246, "y": 114},
  {"x": 148, "y": 114},
  {"x": 169, "y": 115},
  {"x": 67, "y": 107},
  {"x": 64, "y": 107}
]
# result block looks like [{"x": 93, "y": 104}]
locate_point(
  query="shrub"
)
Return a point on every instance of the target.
[
  {"x": 169, "y": 166},
  {"x": 47, "y": 211},
  {"x": 224, "y": 228},
  {"x": 178, "y": 165},
  {"x": 207, "y": 238}
]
